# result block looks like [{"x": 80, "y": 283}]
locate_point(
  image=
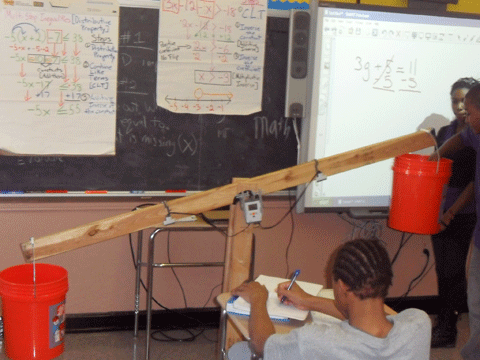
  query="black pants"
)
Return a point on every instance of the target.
[{"x": 451, "y": 249}]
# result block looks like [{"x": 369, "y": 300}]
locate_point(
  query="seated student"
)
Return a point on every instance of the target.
[{"x": 362, "y": 274}]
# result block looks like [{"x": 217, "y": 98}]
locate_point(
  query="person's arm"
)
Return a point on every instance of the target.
[
  {"x": 450, "y": 147},
  {"x": 260, "y": 326},
  {"x": 301, "y": 300},
  {"x": 465, "y": 197}
]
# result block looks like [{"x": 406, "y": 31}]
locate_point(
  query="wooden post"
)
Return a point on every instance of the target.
[{"x": 238, "y": 255}]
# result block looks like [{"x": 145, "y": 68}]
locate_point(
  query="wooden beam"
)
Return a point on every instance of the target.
[{"x": 126, "y": 223}]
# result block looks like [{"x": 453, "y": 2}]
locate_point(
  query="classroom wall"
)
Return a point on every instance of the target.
[{"x": 102, "y": 276}]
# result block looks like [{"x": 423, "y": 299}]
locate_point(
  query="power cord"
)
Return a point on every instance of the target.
[
  {"x": 403, "y": 242},
  {"x": 192, "y": 336},
  {"x": 420, "y": 277}
]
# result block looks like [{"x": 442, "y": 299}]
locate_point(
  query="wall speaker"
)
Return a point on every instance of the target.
[
  {"x": 298, "y": 56},
  {"x": 299, "y": 53}
]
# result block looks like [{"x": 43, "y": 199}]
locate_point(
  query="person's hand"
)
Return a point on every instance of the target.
[
  {"x": 252, "y": 292},
  {"x": 295, "y": 296},
  {"x": 433, "y": 156},
  {"x": 445, "y": 220}
]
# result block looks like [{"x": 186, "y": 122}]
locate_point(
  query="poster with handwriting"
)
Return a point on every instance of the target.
[
  {"x": 58, "y": 66},
  {"x": 211, "y": 56}
]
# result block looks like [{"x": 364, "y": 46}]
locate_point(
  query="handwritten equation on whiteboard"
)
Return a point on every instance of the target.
[
  {"x": 211, "y": 56},
  {"x": 388, "y": 75},
  {"x": 59, "y": 82}
]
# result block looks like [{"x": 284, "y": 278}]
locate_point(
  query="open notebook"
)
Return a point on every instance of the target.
[{"x": 276, "y": 310}]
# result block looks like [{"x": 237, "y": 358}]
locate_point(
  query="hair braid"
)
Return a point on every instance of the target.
[{"x": 365, "y": 267}]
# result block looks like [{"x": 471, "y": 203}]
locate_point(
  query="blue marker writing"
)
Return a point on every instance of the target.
[{"x": 294, "y": 277}]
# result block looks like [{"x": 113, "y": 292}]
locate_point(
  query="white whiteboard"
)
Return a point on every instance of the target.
[{"x": 379, "y": 79}]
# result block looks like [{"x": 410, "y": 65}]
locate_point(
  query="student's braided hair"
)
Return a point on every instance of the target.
[{"x": 364, "y": 266}]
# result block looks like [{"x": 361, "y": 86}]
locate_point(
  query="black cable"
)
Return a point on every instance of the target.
[
  {"x": 292, "y": 206},
  {"x": 287, "y": 250},
  {"x": 173, "y": 270},
  {"x": 167, "y": 337},
  {"x": 420, "y": 277},
  {"x": 403, "y": 242},
  {"x": 427, "y": 254},
  {"x": 423, "y": 276}
]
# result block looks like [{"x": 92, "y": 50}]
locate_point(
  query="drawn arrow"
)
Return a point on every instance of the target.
[
  {"x": 75, "y": 78},
  {"x": 54, "y": 53},
  {"x": 198, "y": 93},
  {"x": 60, "y": 103},
  {"x": 27, "y": 97},
  {"x": 197, "y": 99},
  {"x": 22, "y": 73},
  {"x": 76, "y": 52},
  {"x": 64, "y": 52},
  {"x": 65, "y": 79},
  {"x": 21, "y": 25}
]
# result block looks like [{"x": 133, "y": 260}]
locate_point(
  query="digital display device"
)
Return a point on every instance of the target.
[{"x": 378, "y": 73}]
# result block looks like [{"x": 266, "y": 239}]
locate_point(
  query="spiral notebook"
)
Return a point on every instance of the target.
[{"x": 276, "y": 310}]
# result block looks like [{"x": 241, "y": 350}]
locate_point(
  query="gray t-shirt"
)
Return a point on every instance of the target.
[{"x": 409, "y": 339}]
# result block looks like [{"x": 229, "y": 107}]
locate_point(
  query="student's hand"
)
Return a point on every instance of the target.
[
  {"x": 252, "y": 292},
  {"x": 295, "y": 296},
  {"x": 433, "y": 156},
  {"x": 445, "y": 220}
]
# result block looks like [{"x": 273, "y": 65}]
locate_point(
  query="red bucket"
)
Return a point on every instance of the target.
[
  {"x": 34, "y": 315},
  {"x": 419, "y": 187}
]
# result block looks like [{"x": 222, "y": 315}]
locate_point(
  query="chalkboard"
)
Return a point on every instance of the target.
[{"x": 157, "y": 150}]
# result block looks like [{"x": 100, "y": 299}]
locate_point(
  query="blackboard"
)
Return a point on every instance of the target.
[{"x": 157, "y": 150}]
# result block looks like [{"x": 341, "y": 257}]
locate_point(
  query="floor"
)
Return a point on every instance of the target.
[{"x": 120, "y": 345}]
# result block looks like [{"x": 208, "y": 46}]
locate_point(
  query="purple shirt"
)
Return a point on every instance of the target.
[
  {"x": 469, "y": 138},
  {"x": 463, "y": 170}
]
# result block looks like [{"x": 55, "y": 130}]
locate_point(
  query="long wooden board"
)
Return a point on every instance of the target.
[{"x": 130, "y": 222}]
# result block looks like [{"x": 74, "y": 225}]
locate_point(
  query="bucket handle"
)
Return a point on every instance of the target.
[
  {"x": 32, "y": 242},
  {"x": 428, "y": 131}
]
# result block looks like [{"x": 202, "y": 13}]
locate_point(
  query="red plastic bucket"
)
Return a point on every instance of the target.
[
  {"x": 34, "y": 316},
  {"x": 418, "y": 191}
]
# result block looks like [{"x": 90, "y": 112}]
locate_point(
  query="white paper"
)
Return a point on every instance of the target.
[
  {"x": 58, "y": 68},
  {"x": 274, "y": 307},
  {"x": 211, "y": 56}
]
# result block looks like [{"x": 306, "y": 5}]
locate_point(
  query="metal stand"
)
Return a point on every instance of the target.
[{"x": 150, "y": 264}]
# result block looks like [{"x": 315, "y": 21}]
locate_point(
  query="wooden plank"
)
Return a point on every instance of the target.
[{"x": 144, "y": 218}]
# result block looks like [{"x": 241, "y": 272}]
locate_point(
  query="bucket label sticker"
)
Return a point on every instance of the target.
[{"x": 57, "y": 324}]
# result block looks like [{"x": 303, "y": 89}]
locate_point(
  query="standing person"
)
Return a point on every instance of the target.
[
  {"x": 362, "y": 274},
  {"x": 470, "y": 137},
  {"x": 451, "y": 244}
]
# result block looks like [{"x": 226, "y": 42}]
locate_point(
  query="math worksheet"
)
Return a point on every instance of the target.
[
  {"x": 211, "y": 56},
  {"x": 58, "y": 65}
]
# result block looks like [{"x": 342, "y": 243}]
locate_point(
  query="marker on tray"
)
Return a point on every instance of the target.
[
  {"x": 294, "y": 277},
  {"x": 96, "y": 192},
  {"x": 175, "y": 191}
]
